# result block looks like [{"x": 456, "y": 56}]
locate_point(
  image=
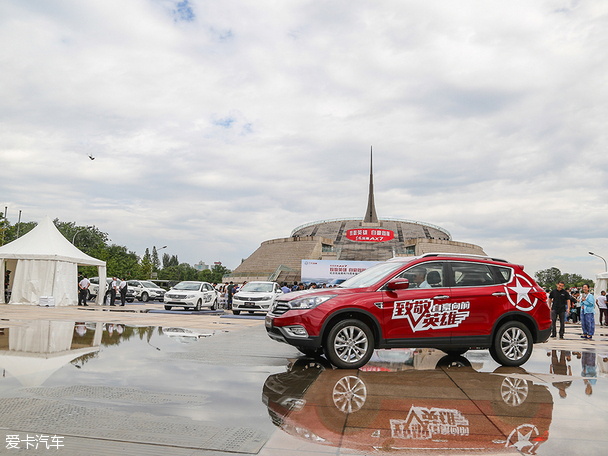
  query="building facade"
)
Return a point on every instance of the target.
[{"x": 349, "y": 239}]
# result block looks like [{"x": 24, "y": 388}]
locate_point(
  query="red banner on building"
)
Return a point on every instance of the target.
[{"x": 369, "y": 235}]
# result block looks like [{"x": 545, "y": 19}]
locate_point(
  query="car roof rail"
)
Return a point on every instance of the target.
[{"x": 463, "y": 255}]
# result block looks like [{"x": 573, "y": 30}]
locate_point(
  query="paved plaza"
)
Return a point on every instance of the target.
[{"x": 137, "y": 380}]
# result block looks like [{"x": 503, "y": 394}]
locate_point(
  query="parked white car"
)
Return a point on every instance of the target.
[
  {"x": 192, "y": 295},
  {"x": 255, "y": 297},
  {"x": 146, "y": 291}
]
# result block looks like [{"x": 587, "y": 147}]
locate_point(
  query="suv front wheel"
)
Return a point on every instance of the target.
[
  {"x": 349, "y": 344},
  {"x": 512, "y": 345}
]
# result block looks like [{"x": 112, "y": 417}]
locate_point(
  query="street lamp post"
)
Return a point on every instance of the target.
[
  {"x": 79, "y": 231},
  {"x": 605, "y": 264}
]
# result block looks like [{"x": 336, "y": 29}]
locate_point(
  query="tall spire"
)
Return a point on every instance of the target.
[{"x": 370, "y": 214}]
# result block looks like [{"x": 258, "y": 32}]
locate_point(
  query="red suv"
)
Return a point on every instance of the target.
[{"x": 450, "y": 302}]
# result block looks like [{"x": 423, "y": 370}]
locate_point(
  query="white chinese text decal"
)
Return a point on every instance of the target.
[{"x": 424, "y": 314}]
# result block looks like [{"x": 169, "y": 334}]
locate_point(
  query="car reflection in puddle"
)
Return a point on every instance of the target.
[
  {"x": 388, "y": 406},
  {"x": 186, "y": 335}
]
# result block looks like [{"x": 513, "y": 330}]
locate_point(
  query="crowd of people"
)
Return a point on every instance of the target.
[
  {"x": 574, "y": 306},
  {"x": 118, "y": 288}
]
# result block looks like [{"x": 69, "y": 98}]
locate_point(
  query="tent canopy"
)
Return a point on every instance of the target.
[
  {"x": 45, "y": 263},
  {"x": 45, "y": 242}
]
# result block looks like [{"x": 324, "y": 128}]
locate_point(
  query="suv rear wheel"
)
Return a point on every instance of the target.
[
  {"x": 512, "y": 345},
  {"x": 349, "y": 344}
]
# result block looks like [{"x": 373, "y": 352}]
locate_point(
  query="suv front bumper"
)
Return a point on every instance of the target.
[{"x": 280, "y": 334}]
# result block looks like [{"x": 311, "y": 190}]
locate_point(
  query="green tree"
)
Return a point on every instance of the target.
[
  {"x": 120, "y": 262},
  {"x": 155, "y": 260},
  {"x": 217, "y": 273},
  {"x": 88, "y": 239},
  {"x": 145, "y": 267},
  {"x": 180, "y": 273},
  {"x": 166, "y": 260},
  {"x": 549, "y": 278}
]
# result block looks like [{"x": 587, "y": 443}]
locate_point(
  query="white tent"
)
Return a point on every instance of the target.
[
  {"x": 601, "y": 283},
  {"x": 44, "y": 263}
]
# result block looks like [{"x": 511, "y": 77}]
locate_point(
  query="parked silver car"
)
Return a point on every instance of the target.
[
  {"x": 192, "y": 295},
  {"x": 255, "y": 297}
]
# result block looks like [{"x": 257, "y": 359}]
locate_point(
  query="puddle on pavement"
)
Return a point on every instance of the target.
[
  {"x": 119, "y": 382},
  {"x": 182, "y": 387},
  {"x": 422, "y": 400}
]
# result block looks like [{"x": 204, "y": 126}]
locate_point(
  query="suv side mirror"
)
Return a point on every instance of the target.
[{"x": 398, "y": 284}]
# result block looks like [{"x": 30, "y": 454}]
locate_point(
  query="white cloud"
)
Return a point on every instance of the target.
[{"x": 218, "y": 125}]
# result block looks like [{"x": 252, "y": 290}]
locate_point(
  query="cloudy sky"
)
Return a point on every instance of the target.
[{"x": 217, "y": 125}]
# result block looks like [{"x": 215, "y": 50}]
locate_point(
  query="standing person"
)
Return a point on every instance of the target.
[
  {"x": 122, "y": 289},
  {"x": 113, "y": 288},
  {"x": 285, "y": 288},
  {"x": 230, "y": 293},
  {"x": 576, "y": 311},
  {"x": 83, "y": 287},
  {"x": 559, "y": 301},
  {"x": 7, "y": 282},
  {"x": 587, "y": 313},
  {"x": 601, "y": 303}
]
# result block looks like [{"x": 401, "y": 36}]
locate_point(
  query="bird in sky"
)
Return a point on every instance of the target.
[{"x": 91, "y": 157}]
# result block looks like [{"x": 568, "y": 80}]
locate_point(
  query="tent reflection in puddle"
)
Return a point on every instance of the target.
[{"x": 40, "y": 348}]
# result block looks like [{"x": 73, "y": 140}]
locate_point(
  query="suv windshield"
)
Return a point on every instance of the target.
[
  {"x": 259, "y": 287},
  {"x": 149, "y": 285},
  {"x": 371, "y": 275},
  {"x": 191, "y": 286}
]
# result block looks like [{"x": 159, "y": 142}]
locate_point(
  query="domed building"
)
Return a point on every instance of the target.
[{"x": 347, "y": 239}]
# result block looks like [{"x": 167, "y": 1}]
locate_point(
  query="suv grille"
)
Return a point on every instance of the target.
[
  {"x": 279, "y": 308},
  {"x": 241, "y": 298}
]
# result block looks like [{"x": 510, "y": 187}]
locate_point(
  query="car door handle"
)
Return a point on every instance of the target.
[
  {"x": 441, "y": 297},
  {"x": 499, "y": 293}
]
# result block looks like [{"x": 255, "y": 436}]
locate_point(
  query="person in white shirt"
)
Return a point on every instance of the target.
[
  {"x": 113, "y": 289},
  {"x": 83, "y": 287},
  {"x": 122, "y": 289},
  {"x": 601, "y": 303}
]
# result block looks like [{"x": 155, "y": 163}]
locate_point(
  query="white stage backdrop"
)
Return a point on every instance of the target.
[{"x": 332, "y": 272}]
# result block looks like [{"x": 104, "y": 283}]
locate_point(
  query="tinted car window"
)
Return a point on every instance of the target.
[
  {"x": 472, "y": 274},
  {"x": 427, "y": 275},
  {"x": 503, "y": 274}
]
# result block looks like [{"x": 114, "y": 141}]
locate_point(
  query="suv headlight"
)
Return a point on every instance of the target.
[{"x": 309, "y": 302}]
